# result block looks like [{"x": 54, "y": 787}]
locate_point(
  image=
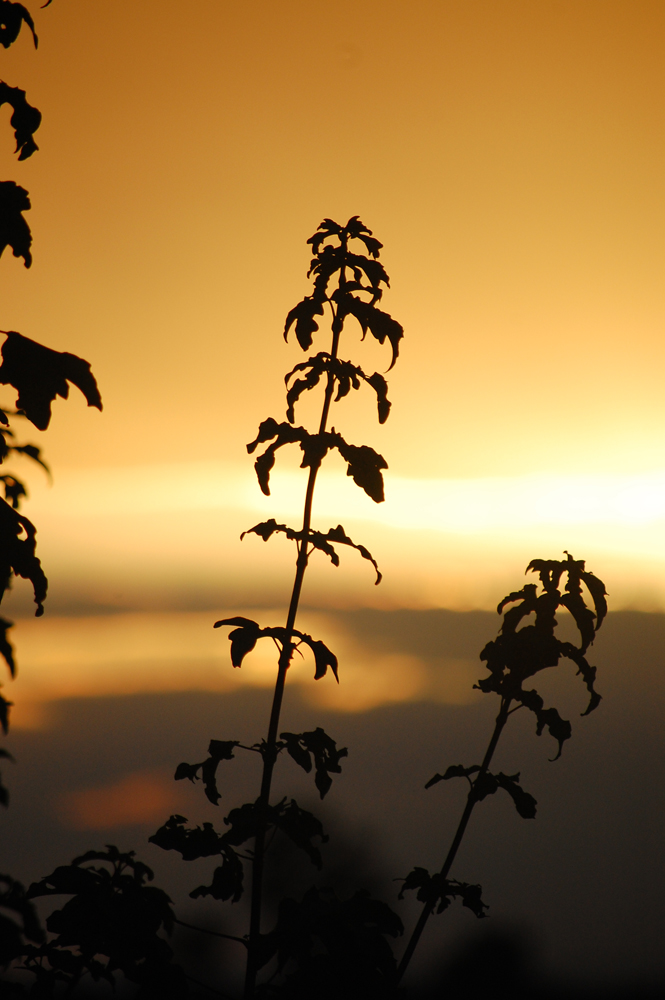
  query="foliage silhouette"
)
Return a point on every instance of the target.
[
  {"x": 516, "y": 655},
  {"x": 110, "y": 924},
  {"x": 318, "y": 933},
  {"x": 38, "y": 374}
]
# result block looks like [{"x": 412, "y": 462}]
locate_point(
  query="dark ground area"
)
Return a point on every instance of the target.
[{"x": 577, "y": 896}]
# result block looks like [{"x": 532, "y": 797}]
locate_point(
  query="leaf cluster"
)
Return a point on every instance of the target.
[
  {"x": 346, "y": 299},
  {"x": 248, "y": 632},
  {"x": 347, "y": 376},
  {"x": 244, "y": 822},
  {"x": 318, "y": 540},
  {"x": 218, "y": 750},
  {"x": 316, "y": 745},
  {"x": 364, "y": 465},
  {"x": 487, "y": 783},
  {"x": 519, "y": 653},
  {"x": 331, "y": 948},
  {"x": 111, "y": 924},
  {"x": 437, "y": 891}
]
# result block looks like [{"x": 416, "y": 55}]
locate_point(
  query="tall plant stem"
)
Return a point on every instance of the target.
[
  {"x": 501, "y": 720},
  {"x": 270, "y": 749}
]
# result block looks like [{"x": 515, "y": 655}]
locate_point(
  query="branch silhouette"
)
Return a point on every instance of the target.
[{"x": 515, "y": 656}]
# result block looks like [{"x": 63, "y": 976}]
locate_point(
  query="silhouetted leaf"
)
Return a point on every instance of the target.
[
  {"x": 218, "y": 750},
  {"x": 40, "y": 374},
  {"x": 598, "y": 593},
  {"x": 12, "y": 16},
  {"x": 587, "y": 672},
  {"x": 243, "y": 639},
  {"x": 303, "y": 316},
  {"x": 284, "y": 433},
  {"x": 380, "y": 386},
  {"x": 199, "y": 842},
  {"x": 323, "y": 657},
  {"x": 380, "y": 324},
  {"x": 524, "y": 803},
  {"x": 227, "y": 880},
  {"x": 364, "y": 466},
  {"x": 314, "y": 367},
  {"x": 25, "y": 121},
  {"x": 7, "y": 651},
  {"x": 454, "y": 771},
  {"x": 17, "y": 554},
  {"x": 325, "y": 752},
  {"x": 559, "y": 728},
  {"x": 339, "y": 535},
  {"x": 265, "y": 529},
  {"x": 327, "y": 229},
  {"x": 14, "y": 230},
  {"x": 434, "y": 889}
]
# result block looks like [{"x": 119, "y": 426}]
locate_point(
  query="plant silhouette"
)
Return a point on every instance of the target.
[
  {"x": 37, "y": 373},
  {"x": 348, "y": 282},
  {"x": 516, "y": 655}
]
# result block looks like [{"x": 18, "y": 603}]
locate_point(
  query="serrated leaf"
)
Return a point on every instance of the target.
[{"x": 40, "y": 375}]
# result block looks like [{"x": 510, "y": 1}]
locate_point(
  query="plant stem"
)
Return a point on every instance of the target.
[
  {"x": 501, "y": 720},
  {"x": 270, "y": 749}
]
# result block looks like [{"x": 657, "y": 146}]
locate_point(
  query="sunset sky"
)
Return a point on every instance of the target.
[{"x": 509, "y": 155}]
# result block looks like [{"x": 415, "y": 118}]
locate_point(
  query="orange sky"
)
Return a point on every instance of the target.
[{"x": 509, "y": 155}]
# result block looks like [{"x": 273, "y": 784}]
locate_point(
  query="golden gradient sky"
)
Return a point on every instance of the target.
[{"x": 510, "y": 155}]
